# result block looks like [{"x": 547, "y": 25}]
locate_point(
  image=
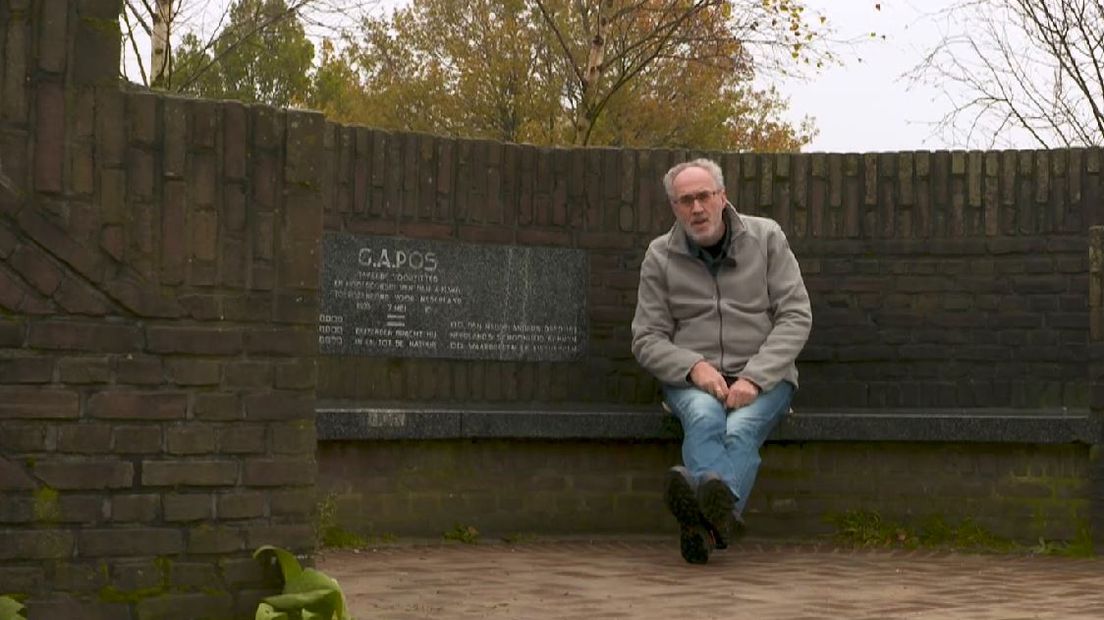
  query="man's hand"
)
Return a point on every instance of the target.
[
  {"x": 709, "y": 380},
  {"x": 741, "y": 393}
]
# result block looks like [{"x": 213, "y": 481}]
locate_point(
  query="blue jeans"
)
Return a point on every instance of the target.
[{"x": 727, "y": 442}]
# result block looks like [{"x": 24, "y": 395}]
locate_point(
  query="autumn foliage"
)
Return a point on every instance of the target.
[{"x": 632, "y": 73}]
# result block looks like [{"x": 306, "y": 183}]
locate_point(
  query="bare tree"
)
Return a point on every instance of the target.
[
  {"x": 163, "y": 22},
  {"x": 1031, "y": 67}
]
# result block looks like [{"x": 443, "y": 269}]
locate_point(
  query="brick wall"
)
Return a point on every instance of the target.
[
  {"x": 158, "y": 276},
  {"x": 948, "y": 279},
  {"x": 937, "y": 279},
  {"x": 542, "y": 488}
]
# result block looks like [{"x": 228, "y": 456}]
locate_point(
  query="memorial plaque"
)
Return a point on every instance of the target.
[{"x": 387, "y": 296}]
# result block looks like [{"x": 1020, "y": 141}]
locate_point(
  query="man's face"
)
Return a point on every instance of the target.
[{"x": 697, "y": 203}]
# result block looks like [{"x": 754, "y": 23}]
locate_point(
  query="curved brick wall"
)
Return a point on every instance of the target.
[
  {"x": 947, "y": 279},
  {"x": 159, "y": 263}
]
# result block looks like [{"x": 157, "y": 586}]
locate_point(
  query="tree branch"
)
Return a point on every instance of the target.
[
  {"x": 288, "y": 12},
  {"x": 134, "y": 46},
  {"x": 563, "y": 44}
]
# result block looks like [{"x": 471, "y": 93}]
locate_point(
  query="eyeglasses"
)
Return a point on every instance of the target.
[{"x": 687, "y": 200}]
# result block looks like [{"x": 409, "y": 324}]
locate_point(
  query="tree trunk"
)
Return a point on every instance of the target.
[
  {"x": 591, "y": 75},
  {"x": 159, "y": 39}
]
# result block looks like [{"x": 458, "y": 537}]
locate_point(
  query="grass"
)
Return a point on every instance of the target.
[
  {"x": 466, "y": 534},
  {"x": 331, "y": 535},
  {"x": 336, "y": 537},
  {"x": 868, "y": 529},
  {"x": 1080, "y": 547}
]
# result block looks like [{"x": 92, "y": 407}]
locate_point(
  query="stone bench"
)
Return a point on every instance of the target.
[
  {"x": 587, "y": 469},
  {"x": 352, "y": 421}
]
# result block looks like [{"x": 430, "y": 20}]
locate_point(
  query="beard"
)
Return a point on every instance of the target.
[{"x": 706, "y": 232}]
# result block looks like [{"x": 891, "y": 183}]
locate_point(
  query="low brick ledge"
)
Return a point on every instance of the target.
[{"x": 351, "y": 421}]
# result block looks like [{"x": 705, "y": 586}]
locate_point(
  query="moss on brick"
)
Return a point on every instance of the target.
[
  {"x": 46, "y": 505},
  {"x": 111, "y": 594},
  {"x": 164, "y": 587},
  {"x": 1057, "y": 503},
  {"x": 103, "y": 26}
]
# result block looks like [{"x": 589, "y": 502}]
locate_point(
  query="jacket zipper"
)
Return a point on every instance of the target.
[{"x": 720, "y": 317}]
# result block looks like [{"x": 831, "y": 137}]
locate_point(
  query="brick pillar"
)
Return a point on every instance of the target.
[
  {"x": 158, "y": 275},
  {"x": 1096, "y": 382},
  {"x": 15, "y": 99}
]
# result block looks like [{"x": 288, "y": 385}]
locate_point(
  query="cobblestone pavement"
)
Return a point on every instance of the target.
[{"x": 643, "y": 579}]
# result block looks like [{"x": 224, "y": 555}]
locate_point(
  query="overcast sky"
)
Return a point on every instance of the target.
[{"x": 866, "y": 105}]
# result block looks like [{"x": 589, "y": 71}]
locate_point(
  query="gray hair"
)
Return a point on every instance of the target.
[{"x": 708, "y": 165}]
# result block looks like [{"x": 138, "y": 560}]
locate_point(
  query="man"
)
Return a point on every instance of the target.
[{"x": 721, "y": 315}]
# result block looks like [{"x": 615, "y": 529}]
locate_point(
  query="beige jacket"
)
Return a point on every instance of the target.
[{"x": 749, "y": 321}]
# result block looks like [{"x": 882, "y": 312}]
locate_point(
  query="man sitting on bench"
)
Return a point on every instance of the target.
[{"x": 721, "y": 315}]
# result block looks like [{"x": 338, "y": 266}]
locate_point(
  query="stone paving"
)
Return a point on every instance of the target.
[{"x": 646, "y": 579}]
